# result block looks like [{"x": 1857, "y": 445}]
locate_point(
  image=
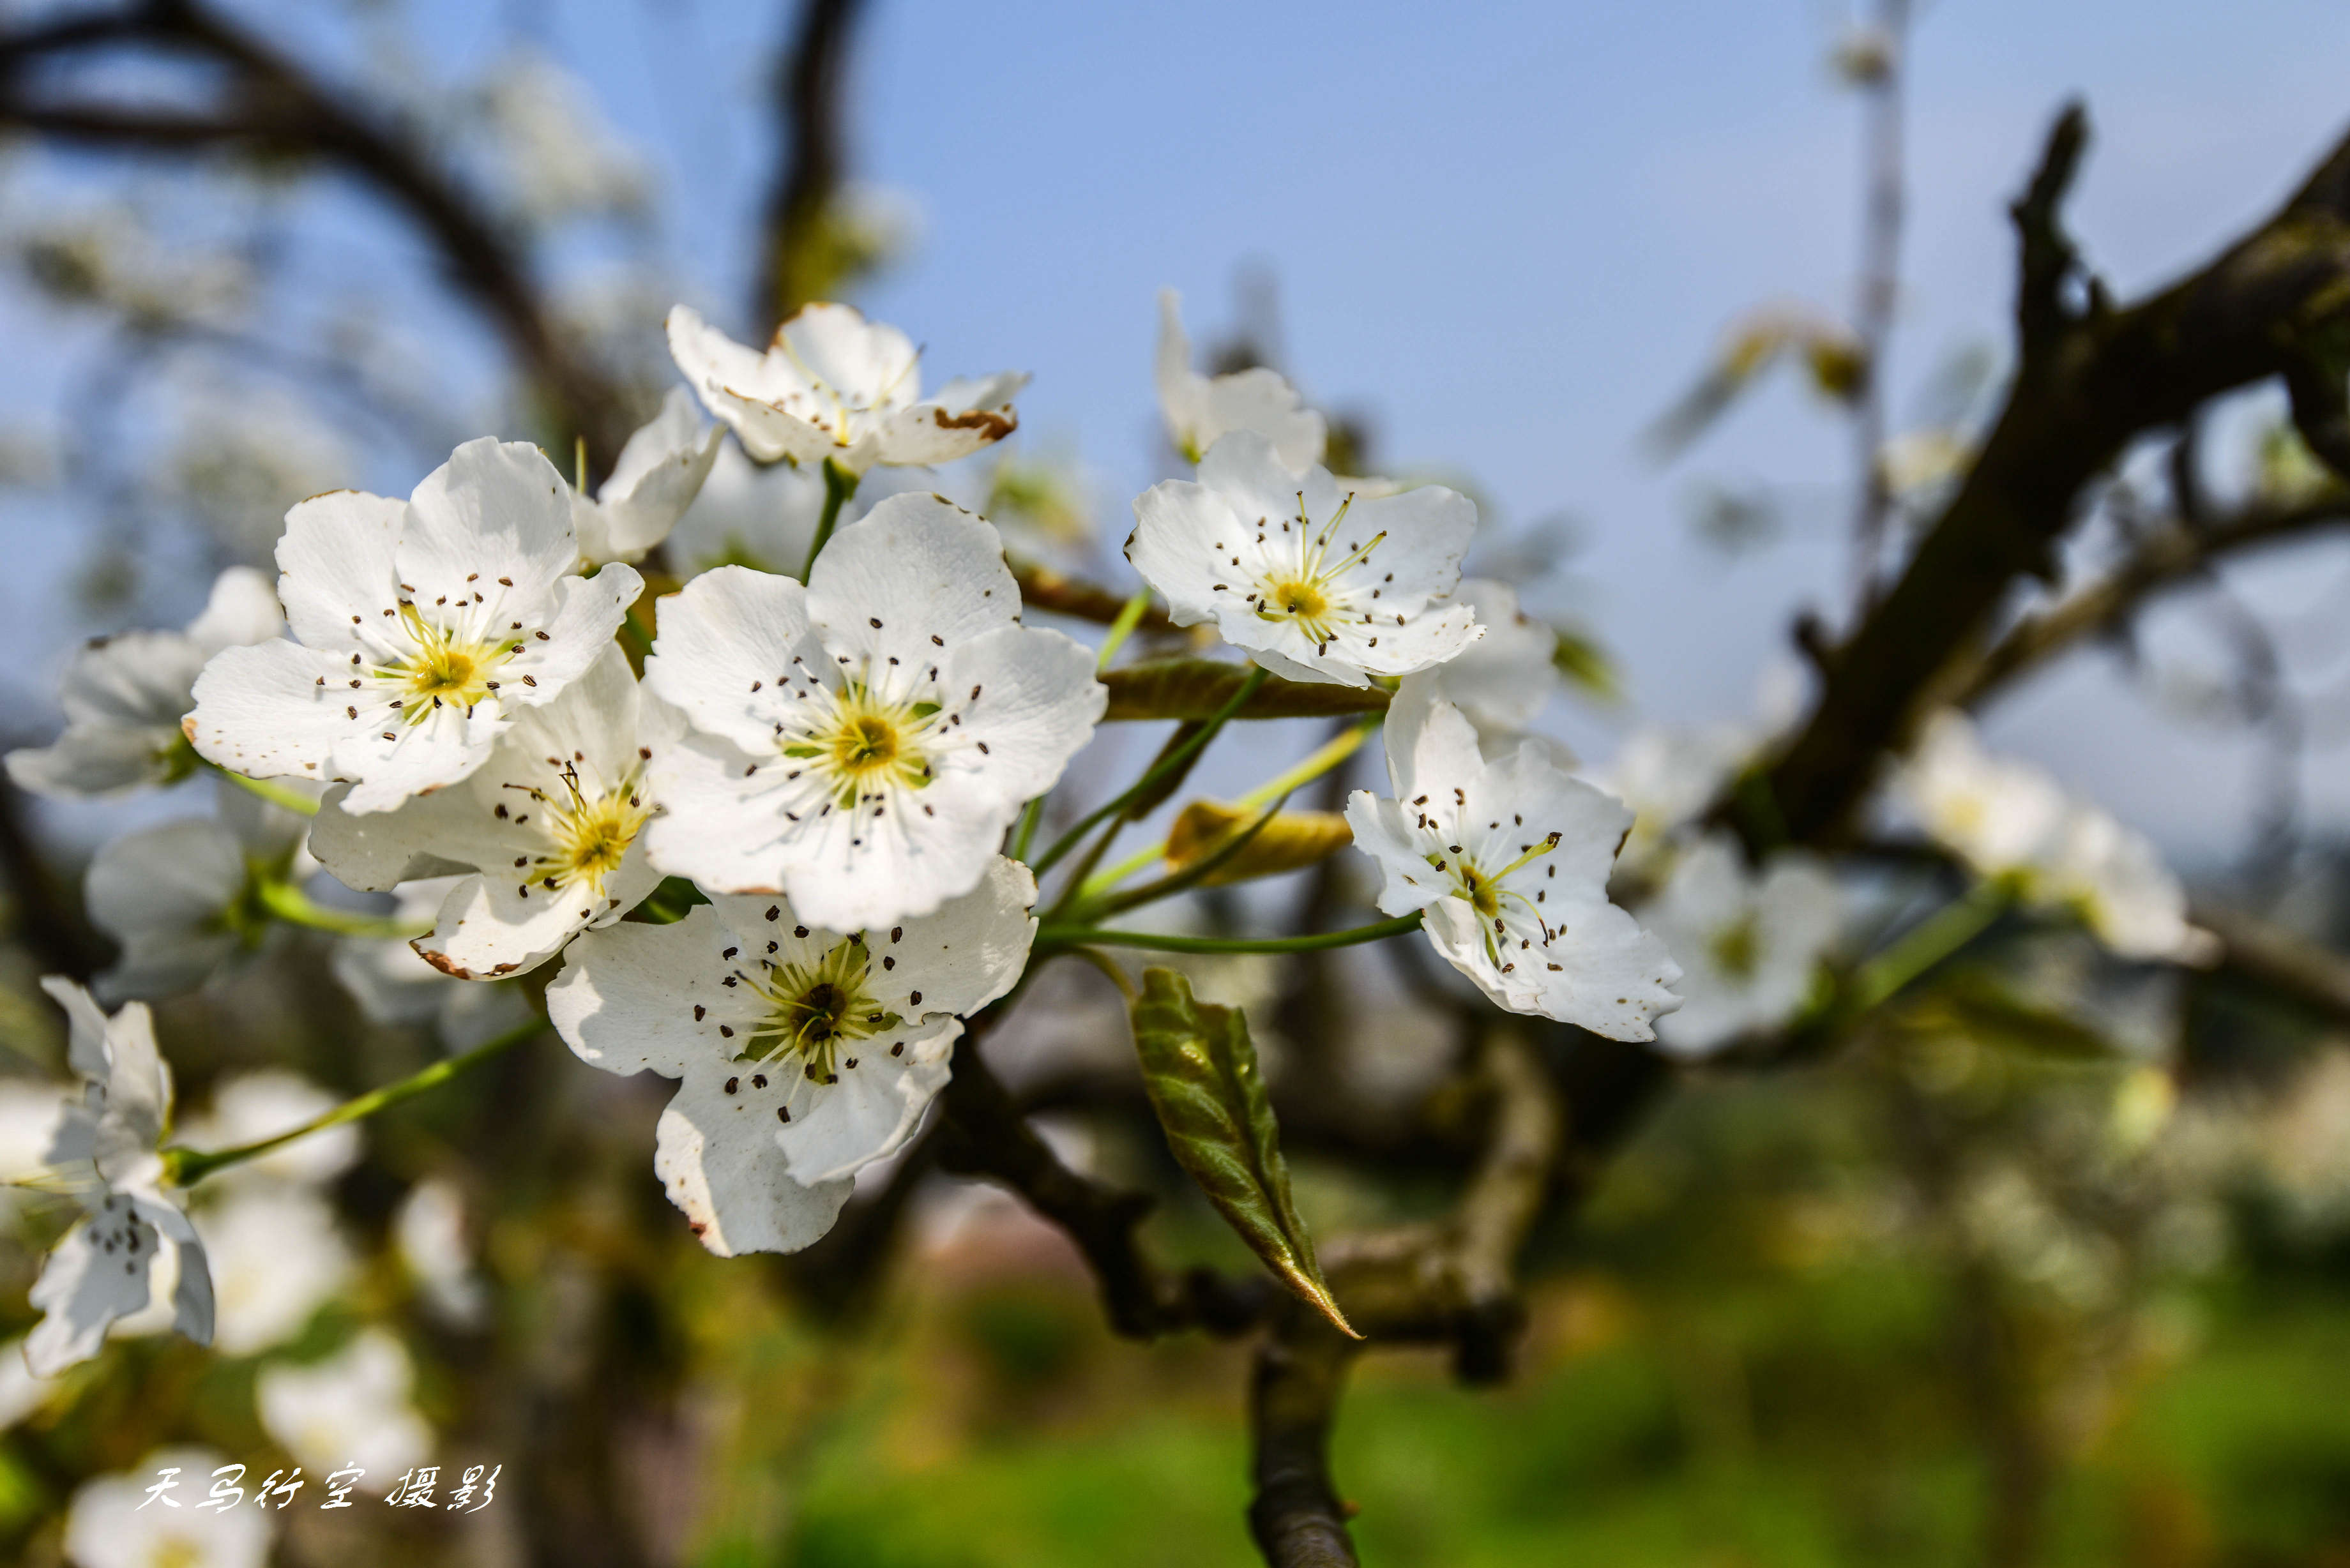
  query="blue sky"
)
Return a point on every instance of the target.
[{"x": 1511, "y": 232}]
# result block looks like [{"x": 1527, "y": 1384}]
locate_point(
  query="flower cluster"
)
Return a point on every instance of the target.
[
  {"x": 777, "y": 827},
  {"x": 2007, "y": 820}
]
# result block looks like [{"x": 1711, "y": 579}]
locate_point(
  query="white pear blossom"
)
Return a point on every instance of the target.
[
  {"x": 862, "y": 743},
  {"x": 1750, "y": 944},
  {"x": 1996, "y": 814},
  {"x": 2113, "y": 878},
  {"x": 1199, "y": 408},
  {"x": 659, "y": 473},
  {"x": 393, "y": 984},
  {"x": 421, "y": 629},
  {"x": 1318, "y": 581},
  {"x": 561, "y": 158},
  {"x": 124, "y": 697},
  {"x": 1503, "y": 679},
  {"x": 2007, "y": 818},
  {"x": 21, "y": 1393},
  {"x": 133, "y": 1242},
  {"x": 31, "y": 1114},
  {"x": 112, "y": 1523},
  {"x": 551, "y": 825},
  {"x": 1509, "y": 861},
  {"x": 249, "y": 1106},
  {"x": 834, "y": 387},
  {"x": 1668, "y": 776},
  {"x": 429, "y": 1231},
  {"x": 352, "y": 1411},
  {"x": 181, "y": 899},
  {"x": 804, "y": 1054},
  {"x": 277, "y": 1256}
]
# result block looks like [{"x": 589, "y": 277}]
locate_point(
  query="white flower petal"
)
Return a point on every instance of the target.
[
  {"x": 767, "y": 401},
  {"x": 1199, "y": 409},
  {"x": 657, "y": 474},
  {"x": 279, "y": 708},
  {"x": 104, "y": 1269},
  {"x": 729, "y": 641},
  {"x": 495, "y": 511},
  {"x": 626, "y": 997},
  {"x": 916, "y": 576},
  {"x": 961, "y": 418},
  {"x": 164, "y": 894},
  {"x": 337, "y": 572},
  {"x": 242, "y": 609},
  {"x": 732, "y": 1187},
  {"x": 1029, "y": 695}
]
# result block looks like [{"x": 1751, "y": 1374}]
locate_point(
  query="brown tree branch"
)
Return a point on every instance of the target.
[
  {"x": 271, "y": 105},
  {"x": 811, "y": 99},
  {"x": 2092, "y": 377},
  {"x": 2166, "y": 558},
  {"x": 982, "y": 1133},
  {"x": 1042, "y": 588},
  {"x": 2282, "y": 962},
  {"x": 1451, "y": 1285}
]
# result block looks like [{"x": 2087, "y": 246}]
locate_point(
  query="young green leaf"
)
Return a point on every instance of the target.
[{"x": 1201, "y": 1072}]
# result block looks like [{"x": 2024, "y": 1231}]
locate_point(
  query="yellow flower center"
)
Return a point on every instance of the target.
[
  {"x": 1736, "y": 948},
  {"x": 1304, "y": 595},
  {"x": 591, "y": 831},
  {"x": 446, "y": 669},
  {"x": 867, "y": 745},
  {"x": 815, "y": 1009}
]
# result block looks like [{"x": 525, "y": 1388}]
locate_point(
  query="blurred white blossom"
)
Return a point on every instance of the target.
[
  {"x": 124, "y": 697},
  {"x": 1749, "y": 943},
  {"x": 560, "y": 158},
  {"x": 351, "y": 1409},
  {"x": 2008, "y": 819},
  {"x": 112, "y": 1523},
  {"x": 179, "y": 898},
  {"x": 1199, "y": 408}
]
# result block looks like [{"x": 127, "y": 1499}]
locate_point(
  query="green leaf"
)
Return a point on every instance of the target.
[
  {"x": 1201, "y": 1072},
  {"x": 1578, "y": 657},
  {"x": 667, "y": 903},
  {"x": 1978, "y": 1005},
  {"x": 1198, "y": 687}
]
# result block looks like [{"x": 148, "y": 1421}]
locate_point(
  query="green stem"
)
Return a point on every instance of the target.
[
  {"x": 840, "y": 484},
  {"x": 1166, "y": 765},
  {"x": 275, "y": 793},
  {"x": 1061, "y": 938},
  {"x": 186, "y": 1167},
  {"x": 1128, "y": 617},
  {"x": 1329, "y": 755},
  {"x": 1025, "y": 834},
  {"x": 1927, "y": 944},
  {"x": 296, "y": 908},
  {"x": 1083, "y": 910}
]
